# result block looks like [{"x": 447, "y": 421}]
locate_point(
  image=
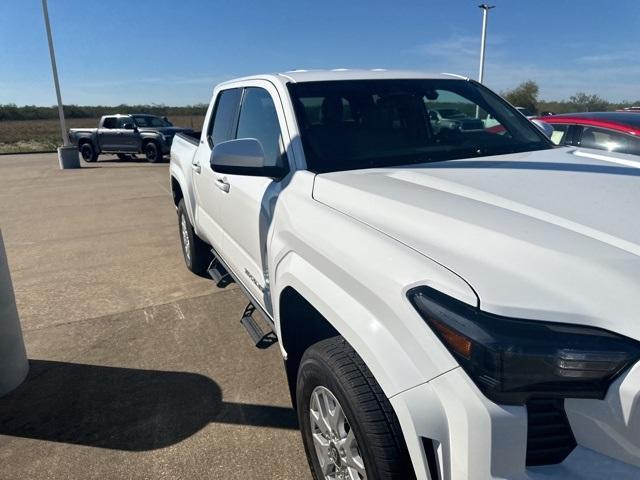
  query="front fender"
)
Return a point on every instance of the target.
[{"x": 361, "y": 292}]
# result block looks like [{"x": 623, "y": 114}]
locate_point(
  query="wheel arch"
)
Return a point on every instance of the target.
[
  {"x": 311, "y": 307},
  {"x": 84, "y": 140},
  {"x": 179, "y": 191},
  {"x": 297, "y": 338}
]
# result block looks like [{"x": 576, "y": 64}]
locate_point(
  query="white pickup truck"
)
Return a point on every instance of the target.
[{"x": 451, "y": 303}]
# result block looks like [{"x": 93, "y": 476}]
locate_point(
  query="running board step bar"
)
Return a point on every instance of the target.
[
  {"x": 219, "y": 273},
  {"x": 260, "y": 339}
]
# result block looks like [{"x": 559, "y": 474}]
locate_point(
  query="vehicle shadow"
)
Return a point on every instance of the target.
[
  {"x": 123, "y": 408},
  {"x": 130, "y": 159}
]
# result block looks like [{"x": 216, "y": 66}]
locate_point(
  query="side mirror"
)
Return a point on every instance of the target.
[
  {"x": 243, "y": 156},
  {"x": 545, "y": 127},
  {"x": 129, "y": 126}
]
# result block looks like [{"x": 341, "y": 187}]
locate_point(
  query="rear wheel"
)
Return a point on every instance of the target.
[
  {"x": 349, "y": 429},
  {"x": 153, "y": 152},
  {"x": 197, "y": 254},
  {"x": 88, "y": 153}
]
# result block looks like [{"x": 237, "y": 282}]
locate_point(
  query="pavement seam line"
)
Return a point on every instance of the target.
[{"x": 72, "y": 322}]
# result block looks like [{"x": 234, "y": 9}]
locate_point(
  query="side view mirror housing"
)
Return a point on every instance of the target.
[
  {"x": 545, "y": 127},
  {"x": 243, "y": 156}
]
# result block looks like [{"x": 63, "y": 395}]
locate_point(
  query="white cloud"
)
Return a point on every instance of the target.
[{"x": 610, "y": 75}]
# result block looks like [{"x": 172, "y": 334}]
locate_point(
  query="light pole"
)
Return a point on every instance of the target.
[
  {"x": 67, "y": 154},
  {"x": 483, "y": 43}
]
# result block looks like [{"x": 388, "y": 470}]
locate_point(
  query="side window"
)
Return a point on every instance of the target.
[
  {"x": 122, "y": 121},
  {"x": 259, "y": 120},
  {"x": 220, "y": 128},
  {"x": 633, "y": 146},
  {"x": 559, "y": 135},
  {"x": 110, "y": 122},
  {"x": 603, "y": 139}
]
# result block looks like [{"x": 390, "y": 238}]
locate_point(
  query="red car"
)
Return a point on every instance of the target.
[{"x": 611, "y": 131}]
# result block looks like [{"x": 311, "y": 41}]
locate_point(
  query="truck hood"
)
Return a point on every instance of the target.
[{"x": 550, "y": 235}]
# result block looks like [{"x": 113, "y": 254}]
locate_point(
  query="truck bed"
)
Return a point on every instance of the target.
[{"x": 191, "y": 137}]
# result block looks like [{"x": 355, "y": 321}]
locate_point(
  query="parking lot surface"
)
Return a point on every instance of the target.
[{"x": 138, "y": 368}]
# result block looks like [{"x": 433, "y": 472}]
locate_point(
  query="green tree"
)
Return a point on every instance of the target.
[
  {"x": 588, "y": 103},
  {"x": 524, "y": 95}
]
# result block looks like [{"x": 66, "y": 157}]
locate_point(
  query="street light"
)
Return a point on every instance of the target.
[
  {"x": 67, "y": 154},
  {"x": 485, "y": 13}
]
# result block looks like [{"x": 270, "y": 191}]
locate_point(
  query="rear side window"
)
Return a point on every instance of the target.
[
  {"x": 602, "y": 139},
  {"x": 221, "y": 126},
  {"x": 259, "y": 120},
  {"x": 110, "y": 122}
]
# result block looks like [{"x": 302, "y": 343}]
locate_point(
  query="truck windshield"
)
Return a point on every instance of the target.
[
  {"x": 355, "y": 124},
  {"x": 151, "y": 121}
]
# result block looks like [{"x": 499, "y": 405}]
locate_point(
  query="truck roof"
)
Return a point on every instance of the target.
[{"x": 299, "y": 76}]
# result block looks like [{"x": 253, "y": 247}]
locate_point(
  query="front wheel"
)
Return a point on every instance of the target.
[
  {"x": 349, "y": 428},
  {"x": 153, "y": 152}
]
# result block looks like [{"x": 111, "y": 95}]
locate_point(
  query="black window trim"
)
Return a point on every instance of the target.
[{"x": 234, "y": 124}]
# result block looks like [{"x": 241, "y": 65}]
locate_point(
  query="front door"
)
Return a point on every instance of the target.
[
  {"x": 129, "y": 139},
  {"x": 220, "y": 128},
  {"x": 247, "y": 205}
]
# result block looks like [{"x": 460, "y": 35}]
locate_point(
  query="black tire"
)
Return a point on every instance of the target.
[
  {"x": 153, "y": 152},
  {"x": 333, "y": 364},
  {"x": 197, "y": 254},
  {"x": 88, "y": 153}
]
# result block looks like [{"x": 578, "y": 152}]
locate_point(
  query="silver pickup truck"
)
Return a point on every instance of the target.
[{"x": 126, "y": 135}]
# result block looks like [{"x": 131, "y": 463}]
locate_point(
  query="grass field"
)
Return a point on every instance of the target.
[{"x": 19, "y": 136}]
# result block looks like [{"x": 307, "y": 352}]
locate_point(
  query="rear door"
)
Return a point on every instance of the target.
[
  {"x": 209, "y": 195},
  {"x": 108, "y": 134},
  {"x": 248, "y": 203}
]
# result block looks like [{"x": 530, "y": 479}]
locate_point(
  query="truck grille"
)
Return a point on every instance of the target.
[{"x": 549, "y": 436}]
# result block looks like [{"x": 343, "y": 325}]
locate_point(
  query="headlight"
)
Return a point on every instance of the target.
[{"x": 512, "y": 360}]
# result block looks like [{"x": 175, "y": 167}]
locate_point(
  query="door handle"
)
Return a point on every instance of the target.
[
  {"x": 196, "y": 167},
  {"x": 223, "y": 185}
]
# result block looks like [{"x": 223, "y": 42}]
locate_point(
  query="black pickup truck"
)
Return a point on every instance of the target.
[{"x": 125, "y": 135}]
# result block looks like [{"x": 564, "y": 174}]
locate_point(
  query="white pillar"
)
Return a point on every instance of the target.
[
  {"x": 13, "y": 356},
  {"x": 67, "y": 154}
]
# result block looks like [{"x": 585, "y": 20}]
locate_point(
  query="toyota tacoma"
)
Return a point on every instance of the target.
[{"x": 451, "y": 303}]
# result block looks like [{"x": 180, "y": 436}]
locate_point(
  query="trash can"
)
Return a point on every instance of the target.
[{"x": 13, "y": 356}]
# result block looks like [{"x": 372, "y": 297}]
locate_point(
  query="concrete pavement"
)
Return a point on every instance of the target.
[{"x": 139, "y": 369}]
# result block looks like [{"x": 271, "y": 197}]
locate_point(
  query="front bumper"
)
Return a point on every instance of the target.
[{"x": 474, "y": 438}]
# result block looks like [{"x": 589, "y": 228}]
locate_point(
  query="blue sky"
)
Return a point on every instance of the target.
[{"x": 173, "y": 52}]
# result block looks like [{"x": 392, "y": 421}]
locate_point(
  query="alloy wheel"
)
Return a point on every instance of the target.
[{"x": 334, "y": 440}]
